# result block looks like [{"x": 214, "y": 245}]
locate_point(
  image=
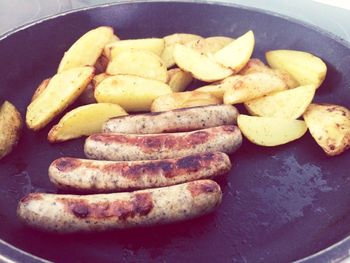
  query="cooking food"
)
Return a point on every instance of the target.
[
  {"x": 84, "y": 120},
  {"x": 63, "y": 89},
  {"x": 42, "y": 86},
  {"x": 131, "y": 147},
  {"x": 219, "y": 88},
  {"x": 178, "y": 80},
  {"x": 110, "y": 176},
  {"x": 268, "y": 131},
  {"x": 187, "y": 119},
  {"x": 87, "y": 49},
  {"x": 305, "y": 68},
  {"x": 179, "y": 100},
  {"x": 329, "y": 125},
  {"x": 140, "y": 63},
  {"x": 10, "y": 127},
  {"x": 289, "y": 104},
  {"x": 132, "y": 93},
  {"x": 236, "y": 54},
  {"x": 209, "y": 45},
  {"x": 74, "y": 213}
]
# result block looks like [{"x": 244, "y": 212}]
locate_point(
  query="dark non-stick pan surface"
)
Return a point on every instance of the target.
[{"x": 279, "y": 204}]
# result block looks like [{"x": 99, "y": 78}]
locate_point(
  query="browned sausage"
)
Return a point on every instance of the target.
[
  {"x": 131, "y": 147},
  {"x": 107, "y": 176},
  {"x": 187, "y": 119},
  {"x": 82, "y": 213}
]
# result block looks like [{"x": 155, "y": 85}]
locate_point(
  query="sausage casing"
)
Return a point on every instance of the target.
[
  {"x": 132, "y": 147},
  {"x": 106, "y": 176},
  {"x": 187, "y": 119},
  {"x": 84, "y": 213}
]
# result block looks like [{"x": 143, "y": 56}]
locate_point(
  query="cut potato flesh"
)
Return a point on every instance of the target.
[
  {"x": 87, "y": 49},
  {"x": 306, "y": 68},
  {"x": 218, "y": 90},
  {"x": 84, "y": 121},
  {"x": 210, "y": 44},
  {"x": 154, "y": 45},
  {"x": 170, "y": 41},
  {"x": 178, "y": 80},
  {"x": 132, "y": 93},
  {"x": 63, "y": 89},
  {"x": 201, "y": 66},
  {"x": 253, "y": 86},
  {"x": 329, "y": 125},
  {"x": 267, "y": 131},
  {"x": 42, "y": 86},
  {"x": 140, "y": 63},
  {"x": 289, "y": 104},
  {"x": 236, "y": 54}
]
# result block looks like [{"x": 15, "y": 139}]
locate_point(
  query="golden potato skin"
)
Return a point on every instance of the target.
[
  {"x": 10, "y": 126},
  {"x": 329, "y": 125}
]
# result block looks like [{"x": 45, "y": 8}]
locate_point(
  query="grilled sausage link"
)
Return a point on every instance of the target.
[
  {"x": 107, "y": 176},
  {"x": 132, "y": 147},
  {"x": 84, "y": 213},
  {"x": 187, "y": 119}
]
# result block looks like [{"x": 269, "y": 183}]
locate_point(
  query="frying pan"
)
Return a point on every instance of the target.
[{"x": 279, "y": 204}]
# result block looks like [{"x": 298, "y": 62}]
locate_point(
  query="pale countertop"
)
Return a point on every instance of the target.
[{"x": 331, "y": 15}]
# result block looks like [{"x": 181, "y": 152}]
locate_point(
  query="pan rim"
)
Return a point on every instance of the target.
[{"x": 10, "y": 253}]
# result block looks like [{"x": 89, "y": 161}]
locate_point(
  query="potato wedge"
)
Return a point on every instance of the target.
[
  {"x": 305, "y": 68},
  {"x": 10, "y": 126},
  {"x": 236, "y": 54},
  {"x": 329, "y": 125},
  {"x": 178, "y": 100},
  {"x": 289, "y": 104},
  {"x": 210, "y": 44},
  {"x": 253, "y": 86},
  {"x": 132, "y": 93},
  {"x": 139, "y": 63},
  {"x": 154, "y": 45},
  {"x": 88, "y": 97},
  {"x": 200, "y": 66},
  {"x": 170, "y": 41},
  {"x": 267, "y": 131},
  {"x": 218, "y": 89},
  {"x": 178, "y": 80},
  {"x": 87, "y": 49},
  {"x": 84, "y": 121},
  {"x": 62, "y": 90},
  {"x": 255, "y": 65},
  {"x": 42, "y": 86}
]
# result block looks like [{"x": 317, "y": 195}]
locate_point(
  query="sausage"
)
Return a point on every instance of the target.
[
  {"x": 85, "y": 213},
  {"x": 107, "y": 176},
  {"x": 132, "y": 147},
  {"x": 187, "y": 119}
]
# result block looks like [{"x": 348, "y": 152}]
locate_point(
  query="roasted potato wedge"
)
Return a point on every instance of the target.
[
  {"x": 132, "y": 93},
  {"x": 10, "y": 127},
  {"x": 218, "y": 89},
  {"x": 305, "y": 68},
  {"x": 178, "y": 80},
  {"x": 170, "y": 41},
  {"x": 267, "y": 131},
  {"x": 210, "y": 44},
  {"x": 84, "y": 121},
  {"x": 253, "y": 86},
  {"x": 42, "y": 86},
  {"x": 154, "y": 45},
  {"x": 178, "y": 100},
  {"x": 289, "y": 104},
  {"x": 236, "y": 54},
  {"x": 200, "y": 66},
  {"x": 139, "y": 63},
  {"x": 255, "y": 65},
  {"x": 329, "y": 125},
  {"x": 87, "y": 49},
  {"x": 62, "y": 90},
  {"x": 88, "y": 97}
]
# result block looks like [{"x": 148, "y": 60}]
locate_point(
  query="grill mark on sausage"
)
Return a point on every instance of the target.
[
  {"x": 30, "y": 197},
  {"x": 202, "y": 187},
  {"x": 140, "y": 205},
  {"x": 66, "y": 164}
]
